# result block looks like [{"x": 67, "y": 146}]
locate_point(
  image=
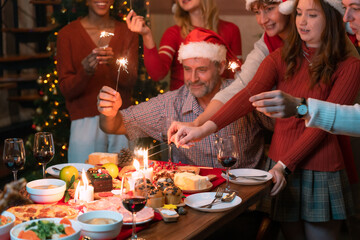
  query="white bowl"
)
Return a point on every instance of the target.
[
  {"x": 76, "y": 226},
  {"x": 46, "y": 195},
  {"x": 101, "y": 232},
  {"x": 5, "y": 229}
]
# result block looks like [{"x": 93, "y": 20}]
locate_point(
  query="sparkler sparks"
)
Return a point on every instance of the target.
[
  {"x": 235, "y": 68},
  {"x": 104, "y": 34},
  {"x": 123, "y": 63}
]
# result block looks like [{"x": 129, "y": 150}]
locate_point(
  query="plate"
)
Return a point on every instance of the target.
[
  {"x": 78, "y": 166},
  {"x": 208, "y": 188},
  {"x": 130, "y": 223},
  {"x": 199, "y": 199},
  {"x": 248, "y": 172}
]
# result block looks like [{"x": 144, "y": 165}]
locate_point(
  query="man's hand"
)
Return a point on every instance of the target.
[
  {"x": 109, "y": 101},
  {"x": 174, "y": 127},
  {"x": 104, "y": 55},
  {"x": 278, "y": 179},
  {"x": 276, "y": 104}
]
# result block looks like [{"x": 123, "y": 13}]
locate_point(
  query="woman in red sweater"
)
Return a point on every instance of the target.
[
  {"x": 313, "y": 63},
  {"x": 188, "y": 14},
  {"x": 85, "y": 65}
]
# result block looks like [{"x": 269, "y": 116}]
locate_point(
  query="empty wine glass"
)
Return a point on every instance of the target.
[
  {"x": 228, "y": 151},
  {"x": 14, "y": 155},
  {"x": 134, "y": 196},
  {"x": 44, "y": 149}
]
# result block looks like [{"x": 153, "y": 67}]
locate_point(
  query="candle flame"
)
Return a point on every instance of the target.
[
  {"x": 233, "y": 66},
  {"x": 136, "y": 165},
  {"x": 143, "y": 153}
]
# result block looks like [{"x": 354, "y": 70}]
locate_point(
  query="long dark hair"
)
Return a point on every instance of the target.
[{"x": 331, "y": 52}]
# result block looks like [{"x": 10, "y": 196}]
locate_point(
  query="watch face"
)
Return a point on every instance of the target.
[{"x": 302, "y": 110}]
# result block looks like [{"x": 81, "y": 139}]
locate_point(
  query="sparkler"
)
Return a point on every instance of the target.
[
  {"x": 235, "y": 68},
  {"x": 122, "y": 62},
  {"x": 130, "y": 4}
]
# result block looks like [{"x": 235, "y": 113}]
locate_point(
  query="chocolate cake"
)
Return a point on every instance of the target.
[{"x": 100, "y": 178}]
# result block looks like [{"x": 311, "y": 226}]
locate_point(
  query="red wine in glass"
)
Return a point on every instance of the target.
[
  {"x": 43, "y": 157},
  {"x": 44, "y": 149},
  {"x": 14, "y": 155},
  {"x": 14, "y": 163},
  {"x": 227, "y": 161},
  {"x": 134, "y": 204}
]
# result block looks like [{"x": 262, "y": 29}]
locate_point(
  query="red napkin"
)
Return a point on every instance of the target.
[{"x": 216, "y": 171}]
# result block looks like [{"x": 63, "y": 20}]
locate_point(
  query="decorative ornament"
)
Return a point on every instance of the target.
[
  {"x": 45, "y": 98},
  {"x": 39, "y": 80},
  {"x": 38, "y": 128},
  {"x": 39, "y": 110}
]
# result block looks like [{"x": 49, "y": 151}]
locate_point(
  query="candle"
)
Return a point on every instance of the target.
[
  {"x": 148, "y": 172},
  {"x": 86, "y": 192}
]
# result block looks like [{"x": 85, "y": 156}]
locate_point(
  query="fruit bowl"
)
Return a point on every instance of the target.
[
  {"x": 101, "y": 231},
  {"x": 46, "y": 190},
  {"x": 5, "y": 229}
]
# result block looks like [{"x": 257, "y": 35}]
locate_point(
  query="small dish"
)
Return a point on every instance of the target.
[
  {"x": 208, "y": 188},
  {"x": 5, "y": 229},
  {"x": 40, "y": 194},
  {"x": 248, "y": 172},
  {"x": 101, "y": 231},
  {"x": 75, "y": 225},
  {"x": 196, "y": 200}
]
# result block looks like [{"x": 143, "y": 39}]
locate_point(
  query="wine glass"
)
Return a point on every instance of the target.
[
  {"x": 134, "y": 196},
  {"x": 44, "y": 149},
  {"x": 228, "y": 151},
  {"x": 14, "y": 154}
]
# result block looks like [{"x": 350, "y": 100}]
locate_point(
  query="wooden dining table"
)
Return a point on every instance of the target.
[{"x": 200, "y": 225}]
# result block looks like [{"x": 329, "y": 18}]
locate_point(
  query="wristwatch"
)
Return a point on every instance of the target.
[
  {"x": 287, "y": 171},
  {"x": 302, "y": 109}
]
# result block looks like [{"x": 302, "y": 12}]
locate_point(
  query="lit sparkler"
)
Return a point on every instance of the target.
[
  {"x": 123, "y": 63},
  {"x": 105, "y": 34},
  {"x": 235, "y": 68}
]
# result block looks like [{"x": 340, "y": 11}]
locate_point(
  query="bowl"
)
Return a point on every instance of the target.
[
  {"x": 5, "y": 229},
  {"x": 76, "y": 226},
  {"x": 38, "y": 194},
  {"x": 101, "y": 231}
]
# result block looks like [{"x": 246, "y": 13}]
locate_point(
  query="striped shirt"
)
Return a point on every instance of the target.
[{"x": 151, "y": 119}]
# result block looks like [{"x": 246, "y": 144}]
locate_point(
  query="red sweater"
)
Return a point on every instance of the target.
[
  {"x": 292, "y": 142},
  {"x": 79, "y": 89},
  {"x": 158, "y": 63}
]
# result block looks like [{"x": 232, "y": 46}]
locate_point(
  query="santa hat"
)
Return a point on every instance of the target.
[
  {"x": 204, "y": 43},
  {"x": 286, "y": 7}
]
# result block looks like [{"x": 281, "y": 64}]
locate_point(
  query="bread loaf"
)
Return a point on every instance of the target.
[
  {"x": 190, "y": 181},
  {"x": 102, "y": 158}
]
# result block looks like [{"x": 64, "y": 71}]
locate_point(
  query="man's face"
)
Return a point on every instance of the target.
[
  {"x": 201, "y": 75},
  {"x": 352, "y": 15}
]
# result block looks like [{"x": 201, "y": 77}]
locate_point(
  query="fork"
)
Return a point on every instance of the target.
[{"x": 218, "y": 195}]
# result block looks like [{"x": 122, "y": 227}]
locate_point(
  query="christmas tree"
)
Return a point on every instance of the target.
[{"x": 51, "y": 114}]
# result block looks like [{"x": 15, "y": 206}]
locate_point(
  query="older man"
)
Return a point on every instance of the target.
[
  {"x": 352, "y": 16},
  {"x": 203, "y": 55}
]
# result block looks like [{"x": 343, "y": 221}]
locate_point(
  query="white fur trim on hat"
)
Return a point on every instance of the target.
[
  {"x": 285, "y": 7},
  {"x": 337, "y": 5},
  {"x": 214, "y": 52}
]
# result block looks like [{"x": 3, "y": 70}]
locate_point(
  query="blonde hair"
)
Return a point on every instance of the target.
[{"x": 210, "y": 14}]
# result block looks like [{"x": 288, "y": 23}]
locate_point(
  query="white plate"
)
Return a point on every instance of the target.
[
  {"x": 199, "y": 199},
  {"x": 208, "y": 188},
  {"x": 130, "y": 223},
  {"x": 248, "y": 172},
  {"x": 78, "y": 166}
]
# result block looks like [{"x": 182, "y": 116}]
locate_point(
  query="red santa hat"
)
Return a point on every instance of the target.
[{"x": 204, "y": 43}]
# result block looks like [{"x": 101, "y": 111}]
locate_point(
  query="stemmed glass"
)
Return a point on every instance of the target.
[
  {"x": 134, "y": 196},
  {"x": 228, "y": 151},
  {"x": 14, "y": 154},
  {"x": 44, "y": 149}
]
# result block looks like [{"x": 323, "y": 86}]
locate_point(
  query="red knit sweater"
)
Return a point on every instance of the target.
[
  {"x": 79, "y": 89},
  {"x": 292, "y": 142},
  {"x": 158, "y": 63}
]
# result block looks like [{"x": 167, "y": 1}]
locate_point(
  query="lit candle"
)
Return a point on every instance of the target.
[
  {"x": 148, "y": 172},
  {"x": 86, "y": 192},
  {"x": 135, "y": 175}
]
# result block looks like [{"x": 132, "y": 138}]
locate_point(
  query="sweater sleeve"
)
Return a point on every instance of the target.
[
  {"x": 240, "y": 105},
  {"x": 158, "y": 63},
  {"x": 72, "y": 82},
  {"x": 248, "y": 70},
  {"x": 344, "y": 91},
  {"x": 334, "y": 118}
]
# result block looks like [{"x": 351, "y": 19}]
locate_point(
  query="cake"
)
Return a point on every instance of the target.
[
  {"x": 173, "y": 195},
  {"x": 100, "y": 158},
  {"x": 156, "y": 198},
  {"x": 162, "y": 185},
  {"x": 149, "y": 186},
  {"x": 100, "y": 179},
  {"x": 190, "y": 181}
]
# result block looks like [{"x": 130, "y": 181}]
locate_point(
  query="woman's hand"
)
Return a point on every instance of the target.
[
  {"x": 109, "y": 101},
  {"x": 276, "y": 104},
  {"x": 278, "y": 179},
  {"x": 137, "y": 24},
  {"x": 174, "y": 127},
  {"x": 104, "y": 55},
  {"x": 90, "y": 63}
]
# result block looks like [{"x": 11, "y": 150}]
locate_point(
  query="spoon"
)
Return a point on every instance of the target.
[{"x": 228, "y": 197}]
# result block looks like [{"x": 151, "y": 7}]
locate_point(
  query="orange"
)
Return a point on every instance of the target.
[
  {"x": 67, "y": 172},
  {"x": 112, "y": 169}
]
